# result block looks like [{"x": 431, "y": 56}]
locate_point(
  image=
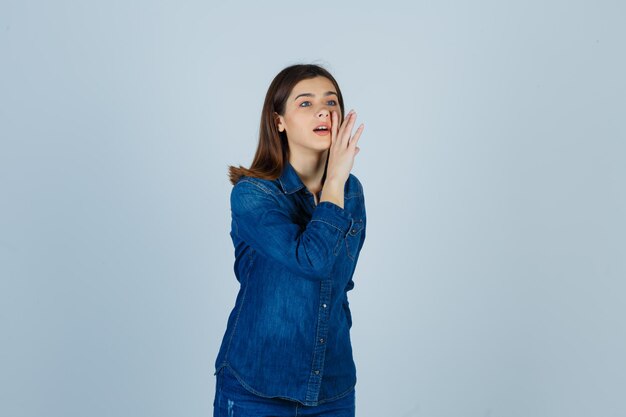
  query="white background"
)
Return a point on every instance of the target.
[{"x": 491, "y": 282}]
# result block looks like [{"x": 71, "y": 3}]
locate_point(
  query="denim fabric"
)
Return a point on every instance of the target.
[
  {"x": 233, "y": 400},
  {"x": 288, "y": 334}
]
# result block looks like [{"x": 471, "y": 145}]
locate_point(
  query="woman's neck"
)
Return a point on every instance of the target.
[{"x": 310, "y": 169}]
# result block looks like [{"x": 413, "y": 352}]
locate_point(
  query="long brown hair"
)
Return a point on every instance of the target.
[{"x": 273, "y": 149}]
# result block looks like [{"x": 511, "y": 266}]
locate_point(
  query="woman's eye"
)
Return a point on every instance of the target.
[{"x": 308, "y": 103}]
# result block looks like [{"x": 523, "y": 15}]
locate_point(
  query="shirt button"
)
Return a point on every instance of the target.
[
  {"x": 324, "y": 305},
  {"x": 317, "y": 372},
  {"x": 322, "y": 340}
]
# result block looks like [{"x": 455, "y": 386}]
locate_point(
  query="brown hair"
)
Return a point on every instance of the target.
[{"x": 273, "y": 149}]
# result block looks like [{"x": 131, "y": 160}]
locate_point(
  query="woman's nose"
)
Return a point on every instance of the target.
[{"x": 323, "y": 112}]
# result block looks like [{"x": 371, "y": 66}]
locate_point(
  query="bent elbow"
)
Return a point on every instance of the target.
[{"x": 314, "y": 257}]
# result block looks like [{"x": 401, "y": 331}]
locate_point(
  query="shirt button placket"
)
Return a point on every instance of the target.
[{"x": 319, "y": 350}]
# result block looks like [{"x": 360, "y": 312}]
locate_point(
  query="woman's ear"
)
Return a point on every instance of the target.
[{"x": 278, "y": 120}]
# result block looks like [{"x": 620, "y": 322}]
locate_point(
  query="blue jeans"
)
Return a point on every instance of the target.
[{"x": 233, "y": 400}]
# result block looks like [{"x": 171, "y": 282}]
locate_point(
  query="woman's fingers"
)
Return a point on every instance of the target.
[
  {"x": 340, "y": 135},
  {"x": 346, "y": 128},
  {"x": 343, "y": 148},
  {"x": 339, "y": 130},
  {"x": 355, "y": 139},
  {"x": 333, "y": 128}
]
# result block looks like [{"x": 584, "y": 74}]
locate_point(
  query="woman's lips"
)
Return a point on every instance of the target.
[{"x": 322, "y": 132}]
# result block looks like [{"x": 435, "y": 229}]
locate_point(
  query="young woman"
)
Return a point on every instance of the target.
[{"x": 298, "y": 226}]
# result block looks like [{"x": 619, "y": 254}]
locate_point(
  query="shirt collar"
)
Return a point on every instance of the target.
[{"x": 290, "y": 180}]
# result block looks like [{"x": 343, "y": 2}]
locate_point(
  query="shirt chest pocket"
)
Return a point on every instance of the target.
[{"x": 353, "y": 238}]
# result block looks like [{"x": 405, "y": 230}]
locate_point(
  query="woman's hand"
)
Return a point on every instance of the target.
[
  {"x": 341, "y": 155},
  {"x": 343, "y": 148}
]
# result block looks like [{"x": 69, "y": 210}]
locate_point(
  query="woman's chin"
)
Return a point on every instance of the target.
[{"x": 319, "y": 145}]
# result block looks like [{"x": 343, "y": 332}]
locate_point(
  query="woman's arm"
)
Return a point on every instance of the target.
[
  {"x": 333, "y": 192},
  {"x": 268, "y": 228}
]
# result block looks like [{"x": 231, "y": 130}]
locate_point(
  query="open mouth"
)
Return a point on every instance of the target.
[{"x": 322, "y": 130}]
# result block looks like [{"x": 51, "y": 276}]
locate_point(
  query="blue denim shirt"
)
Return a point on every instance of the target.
[{"x": 288, "y": 334}]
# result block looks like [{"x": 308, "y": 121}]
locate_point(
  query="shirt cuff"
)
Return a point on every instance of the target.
[{"x": 332, "y": 214}]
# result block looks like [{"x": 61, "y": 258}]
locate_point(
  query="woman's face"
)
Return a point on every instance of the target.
[{"x": 309, "y": 105}]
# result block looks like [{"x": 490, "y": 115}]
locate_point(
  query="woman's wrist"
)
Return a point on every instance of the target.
[{"x": 333, "y": 191}]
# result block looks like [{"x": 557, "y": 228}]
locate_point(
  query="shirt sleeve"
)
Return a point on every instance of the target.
[{"x": 268, "y": 228}]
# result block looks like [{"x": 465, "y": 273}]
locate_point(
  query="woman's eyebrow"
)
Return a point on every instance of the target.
[{"x": 328, "y": 93}]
